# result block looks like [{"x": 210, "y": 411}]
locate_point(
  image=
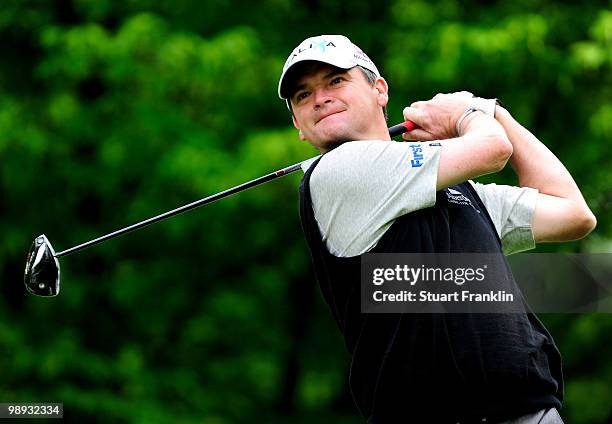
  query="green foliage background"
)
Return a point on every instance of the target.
[{"x": 111, "y": 112}]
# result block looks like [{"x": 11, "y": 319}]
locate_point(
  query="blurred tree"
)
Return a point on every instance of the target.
[{"x": 112, "y": 112}]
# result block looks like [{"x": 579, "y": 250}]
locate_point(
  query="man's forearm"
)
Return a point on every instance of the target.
[
  {"x": 561, "y": 213},
  {"x": 482, "y": 149},
  {"x": 535, "y": 165}
]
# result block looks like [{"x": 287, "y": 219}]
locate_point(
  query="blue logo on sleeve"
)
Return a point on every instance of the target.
[{"x": 417, "y": 155}]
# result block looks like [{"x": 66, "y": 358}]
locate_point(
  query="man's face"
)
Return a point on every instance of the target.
[{"x": 332, "y": 105}]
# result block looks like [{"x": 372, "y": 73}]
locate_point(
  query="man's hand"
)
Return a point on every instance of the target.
[
  {"x": 437, "y": 118},
  {"x": 483, "y": 147}
]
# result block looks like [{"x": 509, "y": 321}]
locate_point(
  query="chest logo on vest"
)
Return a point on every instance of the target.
[{"x": 456, "y": 197}]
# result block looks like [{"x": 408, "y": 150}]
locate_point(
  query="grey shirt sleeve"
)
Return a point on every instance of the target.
[
  {"x": 511, "y": 209},
  {"x": 361, "y": 187}
]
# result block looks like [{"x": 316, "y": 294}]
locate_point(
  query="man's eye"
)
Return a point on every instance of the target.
[
  {"x": 301, "y": 96},
  {"x": 336, "y": 80}
]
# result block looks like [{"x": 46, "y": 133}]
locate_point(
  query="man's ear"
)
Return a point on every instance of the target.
[
  {"x": 383, "y": 91},
  {"x": 297, "y": 125}
]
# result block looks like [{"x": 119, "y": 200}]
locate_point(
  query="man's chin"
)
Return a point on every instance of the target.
[{"x": 337, "y": 135}]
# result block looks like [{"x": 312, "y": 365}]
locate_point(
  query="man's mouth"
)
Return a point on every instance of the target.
[{"x": 327, "y": 115}]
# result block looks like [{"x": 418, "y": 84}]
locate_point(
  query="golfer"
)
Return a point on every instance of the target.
[{"x": 367, "y": 193}]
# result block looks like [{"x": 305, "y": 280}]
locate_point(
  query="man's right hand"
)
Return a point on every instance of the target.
[{"x": 437, "y": 118}]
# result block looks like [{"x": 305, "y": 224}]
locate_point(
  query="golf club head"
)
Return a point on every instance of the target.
[{"x": 42, "y": 271}]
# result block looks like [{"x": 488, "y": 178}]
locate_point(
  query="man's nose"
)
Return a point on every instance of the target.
[{"x": 321, "y": 97}]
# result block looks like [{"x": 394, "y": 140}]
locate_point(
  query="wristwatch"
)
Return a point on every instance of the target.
[
  {"x": 464, "y": 115},
  {"x": 486, "y": 106}
]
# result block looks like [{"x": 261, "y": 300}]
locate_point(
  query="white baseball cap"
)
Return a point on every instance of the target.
[{"x": 336, "y": 50}]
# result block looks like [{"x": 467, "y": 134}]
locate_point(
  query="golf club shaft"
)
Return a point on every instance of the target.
[{"x": 393, "y": 131}]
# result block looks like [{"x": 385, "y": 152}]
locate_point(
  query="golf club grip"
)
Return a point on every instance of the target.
[{"x": 400, "y": 129}]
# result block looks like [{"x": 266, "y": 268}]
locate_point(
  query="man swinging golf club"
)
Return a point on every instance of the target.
[{"x": 367, "y": 193}]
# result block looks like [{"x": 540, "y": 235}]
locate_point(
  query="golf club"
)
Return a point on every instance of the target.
[{"x": 42, "y": 271}]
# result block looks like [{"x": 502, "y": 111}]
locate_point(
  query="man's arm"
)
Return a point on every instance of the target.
[
  {"x": 561, "y": 213},
  {"x": 485, "y": 146},
  {"x": 481, "y": 148}
]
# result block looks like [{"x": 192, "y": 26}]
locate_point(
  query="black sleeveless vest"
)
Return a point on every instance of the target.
[{"x": 435, "y": 368}]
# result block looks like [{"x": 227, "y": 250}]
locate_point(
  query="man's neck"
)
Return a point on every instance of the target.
[{"x": 323, "y": 150}]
